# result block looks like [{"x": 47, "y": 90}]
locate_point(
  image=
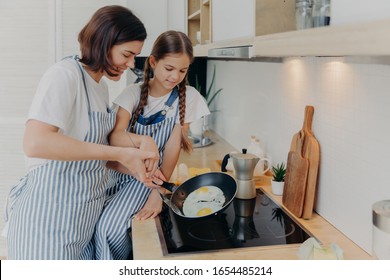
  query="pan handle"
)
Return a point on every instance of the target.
[{"x": 169, "y": 186}]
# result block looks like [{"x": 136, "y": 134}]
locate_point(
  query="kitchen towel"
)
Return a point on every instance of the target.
[{"x": 312, "y": 250}]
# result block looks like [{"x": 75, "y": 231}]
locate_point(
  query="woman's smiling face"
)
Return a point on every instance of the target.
[{"x": 123, "y": 56}]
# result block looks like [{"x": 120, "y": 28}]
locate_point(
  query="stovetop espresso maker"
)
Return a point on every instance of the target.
[{"x": 244, "y": 166}]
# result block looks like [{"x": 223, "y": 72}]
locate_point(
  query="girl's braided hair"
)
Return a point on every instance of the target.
[{"x": 169, "y": 42}]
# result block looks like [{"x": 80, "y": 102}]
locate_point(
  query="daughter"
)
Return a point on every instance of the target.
[{"x": 161, "y": 107}]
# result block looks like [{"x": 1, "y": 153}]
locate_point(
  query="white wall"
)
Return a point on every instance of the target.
[
  {"x": 26, "y": 51},
  {"x": 350, "y": 122}
]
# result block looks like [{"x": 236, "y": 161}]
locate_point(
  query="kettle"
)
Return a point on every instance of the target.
[{"x": 244, "y": 166}]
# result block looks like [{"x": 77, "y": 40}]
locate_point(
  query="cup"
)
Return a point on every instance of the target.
[
  {"x": 199, "y": 37},
  {"x": 262, "y": 166}
]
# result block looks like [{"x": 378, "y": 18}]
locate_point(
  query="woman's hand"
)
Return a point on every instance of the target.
[
  {"x": 147, "y": 143},
  {"x": 152, "y": 207},
  {"x": 134, "y": 160}
]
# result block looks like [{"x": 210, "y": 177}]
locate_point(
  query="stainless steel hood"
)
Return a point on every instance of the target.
[{"x": 242, "y": 52}]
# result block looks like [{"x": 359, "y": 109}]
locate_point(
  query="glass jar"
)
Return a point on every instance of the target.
[
  {"x": 321, "y": 13},
  {"x": 303, "y": 14}
]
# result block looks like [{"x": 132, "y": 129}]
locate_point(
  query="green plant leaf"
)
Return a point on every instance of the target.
[
  {"x": 197, "y": 84},
  {"x": 208, "y": 93},
  {"x": 213, "y": 97},
  {"x": 279, "y": 172},
  {"x": 210, "y": 96}
]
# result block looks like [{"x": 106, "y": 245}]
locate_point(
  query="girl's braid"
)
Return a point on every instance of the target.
[
  {"x": 186, "y": 144},
  {"x": 144, "y": 95}
]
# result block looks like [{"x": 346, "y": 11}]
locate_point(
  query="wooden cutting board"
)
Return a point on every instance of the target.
[
  {"x": 310, "y": 151},
  {"x": 296, "y": 177}
]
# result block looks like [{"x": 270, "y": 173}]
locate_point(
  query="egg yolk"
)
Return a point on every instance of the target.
[
  {"x": 202, "y": 190},
  {"x": 203, "y": 212}
]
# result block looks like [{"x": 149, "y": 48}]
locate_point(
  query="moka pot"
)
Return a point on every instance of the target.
[{"x": 244, "y": 166}]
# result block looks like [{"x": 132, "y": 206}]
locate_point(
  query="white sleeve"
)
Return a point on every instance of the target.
[
  {"x": 55, "y": 97},
  {"x": 128, "y": 99},
  {"x": 196, "y": 106}
]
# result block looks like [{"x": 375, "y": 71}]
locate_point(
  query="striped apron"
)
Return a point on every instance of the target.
[
  {"x": 112, "y": 239},
  {"x": 53, "y": 210}
]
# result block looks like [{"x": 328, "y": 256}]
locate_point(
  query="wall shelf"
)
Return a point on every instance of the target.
[
  {"x": 359, "y": 39},
  {"x": 194, "y": 16},
  {"x": 199, "y": 21}
]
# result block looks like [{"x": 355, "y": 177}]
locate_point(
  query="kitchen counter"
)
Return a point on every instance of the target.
[{"x": 146, "y": 238}]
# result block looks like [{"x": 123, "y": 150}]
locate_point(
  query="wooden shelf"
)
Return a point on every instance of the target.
[
  {"x": 194, "y": 16},
  {"x": 364, "y": 39},
  {"x": 199, "y": 20},
  {"x": 360, "y": 39}
]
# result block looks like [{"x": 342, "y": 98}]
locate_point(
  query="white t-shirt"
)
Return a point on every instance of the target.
[
  {"x": 61, "y": 101},
  {"x": 196, "y": 106}
]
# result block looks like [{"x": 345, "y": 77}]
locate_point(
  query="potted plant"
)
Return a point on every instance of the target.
[{"x": 277, "y": 183}]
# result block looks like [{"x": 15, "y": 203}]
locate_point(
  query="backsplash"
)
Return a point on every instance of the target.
[{"x": 351, "y": 111}]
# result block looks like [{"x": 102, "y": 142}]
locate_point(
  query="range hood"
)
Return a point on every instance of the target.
[{"x": 241, "y": 52}]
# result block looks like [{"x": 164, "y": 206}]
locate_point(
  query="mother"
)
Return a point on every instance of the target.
[{"x": 52, "y": 211}]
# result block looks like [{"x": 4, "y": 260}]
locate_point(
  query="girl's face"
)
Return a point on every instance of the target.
[
  {"x": 170, "y": 70},
  {"x": 122, "y": 57}
]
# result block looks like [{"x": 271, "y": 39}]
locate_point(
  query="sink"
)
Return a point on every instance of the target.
[{"x": 200, "y": 142}]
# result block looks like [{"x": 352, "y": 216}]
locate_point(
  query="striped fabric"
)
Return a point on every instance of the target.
[
  {"x": 52, "y": 212},
  {"x": 126, "y": 197},
  {"x": 54, "y": 208}
]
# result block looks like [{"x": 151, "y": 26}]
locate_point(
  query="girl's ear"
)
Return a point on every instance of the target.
[{"x": 152, "y": 61}]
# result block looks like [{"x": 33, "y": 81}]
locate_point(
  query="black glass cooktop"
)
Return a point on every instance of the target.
[{"x": 245, "y": 223}]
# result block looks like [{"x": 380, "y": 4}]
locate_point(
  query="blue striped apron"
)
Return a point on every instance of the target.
[
  {"x": 127, "y": 196},
  {"x": 53, "y": 210}
]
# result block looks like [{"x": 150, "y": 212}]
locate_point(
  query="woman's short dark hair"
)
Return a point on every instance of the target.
[{"x": 109, "y": 26}]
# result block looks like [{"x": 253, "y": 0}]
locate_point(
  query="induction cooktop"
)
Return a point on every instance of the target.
[{"x": 245, "y": 223}]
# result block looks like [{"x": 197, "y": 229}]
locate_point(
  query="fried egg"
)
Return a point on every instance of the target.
[{"x": 203, "y": 201}]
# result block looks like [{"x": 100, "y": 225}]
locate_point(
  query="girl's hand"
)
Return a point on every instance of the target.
[
  {"x": 134, "y": 160},
  {"x": 152, "y": 207},
  {"x": 155, "y": 181}
]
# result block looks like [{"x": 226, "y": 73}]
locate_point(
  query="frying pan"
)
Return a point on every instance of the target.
[{"x": 225, "y": 182}]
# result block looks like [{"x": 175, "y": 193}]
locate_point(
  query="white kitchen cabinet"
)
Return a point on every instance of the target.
[
  {"x": 352, "y": 11},
  {"x": 233, "y": 19},
  {"x": 158, "y": 16},
  {"x": 176, "y": 15},
  {"x": 154, "y": 15},
  {"x": 237, "y": 23}
]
